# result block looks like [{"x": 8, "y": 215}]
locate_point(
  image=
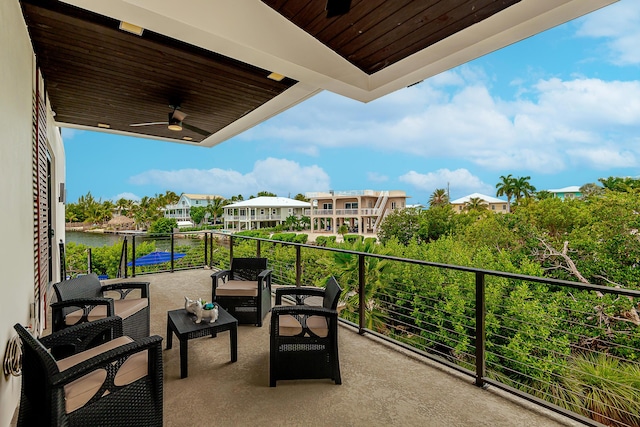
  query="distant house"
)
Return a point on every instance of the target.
[
  {"x": 570, "y": 192},
  {"x": 181, "y": 211},
  {"x": 262, "y": 212},
  {"x": 493, "y": 204},
  {"x": 360, "y": 210}
]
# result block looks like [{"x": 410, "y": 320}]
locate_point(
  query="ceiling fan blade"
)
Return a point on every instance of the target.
[
  {"x": 178, "y": 115},
  {"x": 196, "y": 130},
  {"x": 149, "y": 124}
]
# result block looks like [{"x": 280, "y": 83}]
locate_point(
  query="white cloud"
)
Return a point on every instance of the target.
[
  {"x": 458, "y": 181},
  {"x": 619, "y": 24},
  {"x": 70, "y": 133},
  {"x": 125, "y": 195},
  {"x": 377, "y": 177},
  {"x": 279, "y": 176}
]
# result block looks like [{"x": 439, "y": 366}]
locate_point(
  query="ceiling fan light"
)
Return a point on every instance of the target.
[
  {"x": 131, "y": 28},
  {"x": 175, "y": 125}
]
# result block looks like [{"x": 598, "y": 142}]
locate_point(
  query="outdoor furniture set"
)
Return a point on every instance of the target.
[{"x": 99, "y": 366}]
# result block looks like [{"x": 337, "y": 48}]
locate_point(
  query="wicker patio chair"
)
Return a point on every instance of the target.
[
  {"x": 244, "y": 290},
  {"x": 106, "y": 380},
  {"x": 304, "y": 338},
  {"x": 82, "y": 299}
]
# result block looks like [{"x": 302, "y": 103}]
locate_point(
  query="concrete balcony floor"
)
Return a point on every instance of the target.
[{"x": 381, "y": 384}]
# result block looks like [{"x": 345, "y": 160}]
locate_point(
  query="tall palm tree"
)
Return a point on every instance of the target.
[
  {"x": 439, "y": 197},
  {"x": 476, "y": 204},
  {"x": 216, "y": 208},
  {"x": 522, "y": 188},
  {"x": 505, "y": 188}
]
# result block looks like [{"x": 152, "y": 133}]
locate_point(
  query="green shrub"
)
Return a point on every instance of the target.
[
  {"x": 301, "y": 238},
  {"x": 369, "y": 240},
  {"x": 284, "y": 237},
  {"x": 352, "y": 238},
  {"x": 323, "y": 240}
]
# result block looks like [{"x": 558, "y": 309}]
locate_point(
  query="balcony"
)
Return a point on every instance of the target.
[
  {"x": 383, "y": 384},
  {"x": 531, "y": 340}
]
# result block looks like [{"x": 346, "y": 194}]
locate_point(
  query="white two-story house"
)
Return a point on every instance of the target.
[
  {"x": 262, "y": 212},
  {"x": 181, "y": 211}
]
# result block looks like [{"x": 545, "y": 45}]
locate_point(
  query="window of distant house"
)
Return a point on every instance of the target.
[
  {"x": 253, "y": 212},
  {"x": 493, "y": 207},
  {"x": 290, "y": 210},
  {"x": 242, "y": 212},
  {"x": 459, "y": 208},
  {"x": 327, "y": 206},
  {"x": 261, "y": 211},
  {"x": 353, "y": 205},
  {"x": 274, "y": 211},
  {"x": 504, "y": 207},
  {"x": 393, "y": 205}
]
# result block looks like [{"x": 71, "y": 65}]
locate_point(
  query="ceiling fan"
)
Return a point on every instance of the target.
[{"x": 175, "y": 122}]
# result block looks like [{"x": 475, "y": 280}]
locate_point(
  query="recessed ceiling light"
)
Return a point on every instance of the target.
[
  {"x": 130, "y": 28},
  {"x": 104, "y": 126},
  {"x": 187, "y": 138},
  {"x": 275, "y": 76}
]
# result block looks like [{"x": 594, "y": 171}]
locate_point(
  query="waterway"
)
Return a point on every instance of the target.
[{"x": 96, "y": 240}]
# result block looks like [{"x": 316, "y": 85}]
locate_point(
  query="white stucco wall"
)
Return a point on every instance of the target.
[{"x": 16, "y": 218}]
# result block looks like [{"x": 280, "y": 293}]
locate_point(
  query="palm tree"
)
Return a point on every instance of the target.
[
  {"x": 216, "y": 208},
  {"x": 476, "y": 204},
  {"x": 505, "y": 188},
  {"x": 543, "y": 194},
  {"x": 439, "y": 197},
  {"x": 522, "y": 188}
]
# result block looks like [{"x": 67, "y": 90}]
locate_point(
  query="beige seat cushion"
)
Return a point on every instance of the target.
[
  {"x": 77, "y": 393},
  {"x": 123, "y": 307},
  {"x": 238, "y": 288},
  {"x": 289, "y": 326}
]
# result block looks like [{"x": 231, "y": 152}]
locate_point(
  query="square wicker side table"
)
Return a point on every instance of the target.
[{"x": 183, "y": 324}]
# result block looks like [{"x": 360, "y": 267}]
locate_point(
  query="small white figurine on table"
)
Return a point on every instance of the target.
[{"x": 202, "y": 309}]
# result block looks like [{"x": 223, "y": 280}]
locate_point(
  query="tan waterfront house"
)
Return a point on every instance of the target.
[
  {"x": 495, "y": 205},
  {"x": 361, "y": 211}
]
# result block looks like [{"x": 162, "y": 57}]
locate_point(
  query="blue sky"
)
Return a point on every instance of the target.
[{"x": 562, "y": 107}]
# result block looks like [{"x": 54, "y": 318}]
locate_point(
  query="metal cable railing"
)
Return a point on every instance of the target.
[{"x": 564, "y": 345}]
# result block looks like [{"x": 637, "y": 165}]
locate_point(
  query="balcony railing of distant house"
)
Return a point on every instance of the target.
[
  {"x": 317, "y": 212},
  {"x": 452, "y": 314}
]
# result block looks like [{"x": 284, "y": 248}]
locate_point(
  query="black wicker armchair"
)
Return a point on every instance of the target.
[
  {"x": 304, "y": 338},
  {"x": 244, "y": 290},
  {"x": 82, "y": 300},
  {"x": 106, "y": 378}
]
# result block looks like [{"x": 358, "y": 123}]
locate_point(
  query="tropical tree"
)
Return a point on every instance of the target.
[
  {"x": 197, "y": 214},
  {"x": 476, "y": 204},
  {"x": 522, "y": 188},
  {"x": 543, "y": 195},
  {"x": 215, "y": 208},
  {"x": 301, "y": 197},
  {"x": 625, "y": 185},
  {"x": 591, "y": 189},
  {"x": 505, "y": 188},
  {"x": 439, "y": 197}
]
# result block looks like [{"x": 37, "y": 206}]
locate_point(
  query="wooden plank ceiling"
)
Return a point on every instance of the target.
[
  {"x": 374, "y": 34},
  {"x": 96, "y": 73}
]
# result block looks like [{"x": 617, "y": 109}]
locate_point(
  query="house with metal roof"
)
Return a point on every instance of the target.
[
  {"x": 494, "y": 204},
  {"x": 181, "y": 211},
  {"x": 262, "y": 212},
  {"x": 571, "y": 192}
]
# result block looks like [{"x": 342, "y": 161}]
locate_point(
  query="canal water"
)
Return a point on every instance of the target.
[{"x": 96, "y": 240}]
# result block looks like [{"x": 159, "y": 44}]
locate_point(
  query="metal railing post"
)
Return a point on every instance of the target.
[
  {"x": 258, "y": 249},
  {"x": 298, "y": 266},
  {"x": 480, "y": 329},
  {"x": 206, "y": 241},
  {"x": 230, "y": 250},
  {"x": 172, "y": 246},
  {"x": 361, "y": 282},
  {"x": 88, "y": 260},
  {"x": 133, "y": 256}
]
